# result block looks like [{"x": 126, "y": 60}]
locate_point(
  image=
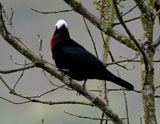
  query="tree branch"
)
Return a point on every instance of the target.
[
  {"x": 126, "y": 21},
  {"x": 78, "y": 7},
  {"x": 131, "y": 36},
  {"x": 89, "y": 32},
  {"x": 33, "y": 98},
  {"x": 86, "y": 117},
  {"x": 17, "y": 70},
  {"x": 53, "y": 12}
]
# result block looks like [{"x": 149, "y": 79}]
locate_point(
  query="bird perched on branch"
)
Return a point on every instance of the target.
[{"x": 75, "y": 61}]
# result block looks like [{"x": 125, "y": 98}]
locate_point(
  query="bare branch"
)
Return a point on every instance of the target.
[
  {"x": 126, "y": 21},
  {"x": 11, "y": 16},
  {"x": 122, "y": 61},
  {"x": 30, "y": 98},
  {"x": 94, "y": 45},
  {"x": 47, "y": 92},
  {"x": 8, "y": 87},
  {"x": 52, "y": 83},
  {"x": 18, "y": 69},
  {"x": 40, "y": 46},
  {"x": 53, "y": 12},
  {"x": 9, "y": 21},
  {"x": 126, "y": 105},
  {"x": 18, "y": 80},
  {"x": 13, "y": 101},
  {"x": 85, "y": 117},
  {"x": 46, "y": 102},
  {"x": 125, "y": 100},
  {"x": 127, "y": 60},
  {"x": 51, "y": 102},
  {"x": 117, "y": 63},
  {"x": 130, "y": 10},
  {"x": 16, "y": 63}
]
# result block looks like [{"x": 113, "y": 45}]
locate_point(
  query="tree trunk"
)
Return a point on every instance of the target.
[{"x": 148, "y": 93}]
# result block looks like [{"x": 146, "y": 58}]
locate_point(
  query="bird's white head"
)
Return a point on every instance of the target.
[{"x": 61, "y": 23}]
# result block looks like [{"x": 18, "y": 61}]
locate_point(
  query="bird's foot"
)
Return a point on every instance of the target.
[{"x": 84, "y": 84}]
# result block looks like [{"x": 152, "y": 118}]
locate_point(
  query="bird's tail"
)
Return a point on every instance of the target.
[{"x": 119, "y": 81}]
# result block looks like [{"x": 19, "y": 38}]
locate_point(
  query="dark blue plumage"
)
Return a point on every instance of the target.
[{"x": 75, "y": 61}]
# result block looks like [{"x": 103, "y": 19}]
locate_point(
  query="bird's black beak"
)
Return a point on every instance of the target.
[{"x": 56, "y": 30}]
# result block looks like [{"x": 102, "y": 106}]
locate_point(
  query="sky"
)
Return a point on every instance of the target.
[{"x": 28, "y": 24}]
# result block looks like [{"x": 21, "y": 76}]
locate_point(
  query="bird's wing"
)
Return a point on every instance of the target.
[{"x": 79, "y": 57}]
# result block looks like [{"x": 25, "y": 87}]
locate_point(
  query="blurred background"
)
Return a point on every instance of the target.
[{"x": 28, "y": 24}]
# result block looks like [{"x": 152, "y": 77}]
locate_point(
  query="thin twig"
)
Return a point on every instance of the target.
[
  {"x": 102, "y": 118},
  {"x": 126, "y": 106},
  {"x": 11, "y": 18},
  {"x": 130, "y": 10},
  {"x": 127, "y": 60},
  {"x": 125, "y": 100},
  {"x": 119, "y": 89},
  {"x": 18, "y": 80},
  {"x": 51, "y": 102},
  {"x": 53, "y": 12},
  {"x": 52, "y": 90},
  {"x": 113, "y": 61},
  {"x": 19, "y": 77},
  {"x": 8, "y": 87},
  {"x": 11, "y": 58},
  {"x": 40, "y": 46},
  {"x": 52, "y": 83},
  {"x": 94, "y": 45},
  {"x": 85, "y": 117},
  {"x": 132, "y": 58},
  {"x": 126, "y": 21},
  {"x": 10, "y": 101},
  {"x": 9, "y": 21},
  {"x": 30, "y": 99},
  {"x": 18, "y": 69}
]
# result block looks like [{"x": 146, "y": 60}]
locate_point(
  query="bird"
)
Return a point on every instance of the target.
[{"x": 74, "y": 60}]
